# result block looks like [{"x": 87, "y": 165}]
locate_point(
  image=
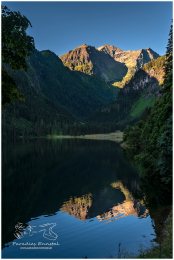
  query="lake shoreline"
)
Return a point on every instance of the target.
[{"x": 114, "y": 136}]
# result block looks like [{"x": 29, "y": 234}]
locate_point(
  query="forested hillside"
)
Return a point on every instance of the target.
[
  {"x": 53, "y": 96},
  {"x": 72, "y": 102},
  {"x": 149, "y": 143},
  {"x": 151, "y": 138}
]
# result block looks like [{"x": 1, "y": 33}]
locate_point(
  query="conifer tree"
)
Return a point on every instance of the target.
[{"x": 168, "y": 66}]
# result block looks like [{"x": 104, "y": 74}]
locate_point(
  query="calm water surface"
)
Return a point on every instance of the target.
[{"x": 72, "y": 199}]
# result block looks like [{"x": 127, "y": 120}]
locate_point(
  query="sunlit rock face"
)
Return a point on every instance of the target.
[
  {"x": 110, "y": 49},
  {"x": 89, "y": 206},
  {"x": 133, "y": 59},
  {"x": 89, "y": 60},
  {"x": 108, "y": 62},
  {"x": 155, "y": 69}
]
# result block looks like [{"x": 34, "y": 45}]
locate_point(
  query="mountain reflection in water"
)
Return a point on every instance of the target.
[
  {"x": 79, "y": 185},
  {"x": 88, "y": 206}
]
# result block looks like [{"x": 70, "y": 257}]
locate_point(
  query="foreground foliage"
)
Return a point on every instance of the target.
[{"x": 16, "y": 46}]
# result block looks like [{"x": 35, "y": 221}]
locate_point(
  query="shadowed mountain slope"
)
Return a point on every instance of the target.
[{"x": 53, "y": 96}]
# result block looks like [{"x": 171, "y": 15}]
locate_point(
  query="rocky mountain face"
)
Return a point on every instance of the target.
[
  {"x": 110, "y": 49},
  {"x": 148, "y": 79},
  {"x": 108, "y": 62},
  {"x": 155, "y": 68},
  {"x": 131, "y": 58},
  {"x": 89, "y": 60},
  {"x": 137, "y": 95},
  {"x": 134, "y": 60}
]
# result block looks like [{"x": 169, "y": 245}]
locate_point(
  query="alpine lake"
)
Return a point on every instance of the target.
[{"x": 74, "y": 198}]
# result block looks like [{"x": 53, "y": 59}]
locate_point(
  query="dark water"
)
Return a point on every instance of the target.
[{"x": 78, "y": 198}]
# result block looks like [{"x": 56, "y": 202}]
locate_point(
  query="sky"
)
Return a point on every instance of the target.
[{"x": 63, "y": 26}]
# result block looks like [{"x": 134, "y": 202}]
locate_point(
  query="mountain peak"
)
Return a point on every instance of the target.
[
  {"x": 108, "y": 61},
  {"x": 90, "y": 60},
  {"x": 84, "y": 45},
  {"x": 109, "y": 48}
]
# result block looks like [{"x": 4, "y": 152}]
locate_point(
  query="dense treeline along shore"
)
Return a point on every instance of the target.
[{"x": 127, "y": 100}]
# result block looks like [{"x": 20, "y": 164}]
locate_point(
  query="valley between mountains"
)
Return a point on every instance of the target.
[{"x": 85, "y": 91}]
